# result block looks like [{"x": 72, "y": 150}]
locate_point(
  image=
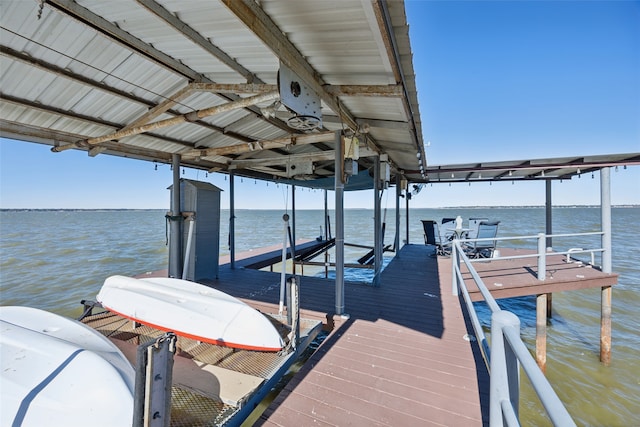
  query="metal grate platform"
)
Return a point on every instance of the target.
[{"x": 190, "y": 405}]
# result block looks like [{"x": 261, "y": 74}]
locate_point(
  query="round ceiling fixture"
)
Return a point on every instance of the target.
[{"x": 303, "y": 122}]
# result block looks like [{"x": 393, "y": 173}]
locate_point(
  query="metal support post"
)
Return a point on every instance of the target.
[
  {"x": 542, "y": 257},
  {"x": 605, "y": 205},
  {"x": 396, "y": 242},
  {"x": 175, "y": 221},
  {"x": 377, "y": 225},
  {"x": 232, "y": 220},
  {"x": 548, "y": 209},
  {"x": 293, "y": 229},
  {"x": 283, "y": 273},
  {"x": 293, "y": 310},
  {"x": 407, "y": 195},
  {"x": 339, "y": 194},
  {"x": 327, "y": 233}
]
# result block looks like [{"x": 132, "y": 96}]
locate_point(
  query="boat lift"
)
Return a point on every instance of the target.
[{"x": 209, "y": 384}]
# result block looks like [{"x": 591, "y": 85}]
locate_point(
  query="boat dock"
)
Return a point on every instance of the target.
[{"x": 404, "y": 354}]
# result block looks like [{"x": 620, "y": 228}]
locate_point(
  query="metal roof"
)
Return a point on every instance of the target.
[
  {"x": 150, "y": 79},
  {"x": 524, "y": 170}
]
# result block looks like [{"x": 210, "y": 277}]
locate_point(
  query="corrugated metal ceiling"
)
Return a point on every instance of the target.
[{"x": 72, "y": 71}]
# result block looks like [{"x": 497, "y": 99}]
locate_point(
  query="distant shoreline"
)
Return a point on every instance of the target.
[{"x": 297, "y": 209}]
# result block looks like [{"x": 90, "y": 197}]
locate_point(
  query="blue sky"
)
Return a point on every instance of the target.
[{"x": 496, "y": 81}]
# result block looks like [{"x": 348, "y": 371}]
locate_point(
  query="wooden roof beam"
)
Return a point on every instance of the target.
[
  {"x": 335, "y": 90},
  {"x": 311, "y": 138},
  {"x": 284, "y": 160},
  {"x": 161, "y": 108},
  {"x": 394, "y": 91},
  {"x": 76, "y": 116},
  {"x": 189, "y": 117}
]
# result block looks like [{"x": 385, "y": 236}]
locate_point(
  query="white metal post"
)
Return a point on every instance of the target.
[
  {"x": 605, "y": 207},
  {"x": 455, "y": 265},
  {"x": 542, "y": 257}
]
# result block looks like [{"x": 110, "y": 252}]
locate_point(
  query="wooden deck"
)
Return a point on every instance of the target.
[
  {"x": 518, "y": 277},
  {"x": 402, "y": 357}
]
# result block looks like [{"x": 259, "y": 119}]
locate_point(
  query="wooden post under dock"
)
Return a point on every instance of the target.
[
  {"x": 541, "y": 331},
  {"x": 605, "y": 325}
]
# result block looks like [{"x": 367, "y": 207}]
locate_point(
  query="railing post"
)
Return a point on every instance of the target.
[
  {"x": 504, "y": 382},
  {"x": 542, "y": 257},
  {"x": 455, "y": 265}
]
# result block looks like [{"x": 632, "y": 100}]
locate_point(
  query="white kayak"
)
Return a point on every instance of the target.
[
  {"x": 56, "y": 371},
  {"x": 191, "y": 310}
]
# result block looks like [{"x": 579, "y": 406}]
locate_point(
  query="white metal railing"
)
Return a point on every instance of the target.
[
  {"x": 542, "y": 253},
  {"x": 505, "y": 355}
]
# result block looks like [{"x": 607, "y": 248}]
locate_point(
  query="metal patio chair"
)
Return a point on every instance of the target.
[
  {"x": 483, "y": 248},
  {"x": 473, "y": 227}
]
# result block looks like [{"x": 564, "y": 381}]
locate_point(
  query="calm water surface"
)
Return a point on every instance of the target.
[{"x": 53, "y": 259}]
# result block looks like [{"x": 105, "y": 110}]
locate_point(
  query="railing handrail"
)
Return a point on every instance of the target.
[
  {"x": 541, "y": 252},
  {"x": 534, "y": 236},
  {"x": 534, "y": 255},
  {"x": 502, "y": 359}
]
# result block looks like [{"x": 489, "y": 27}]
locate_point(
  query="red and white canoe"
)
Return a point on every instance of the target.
[{"x": 190, "y": 310}]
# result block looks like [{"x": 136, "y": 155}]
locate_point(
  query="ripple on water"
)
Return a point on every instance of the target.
[{"x": 52, "y": 260}]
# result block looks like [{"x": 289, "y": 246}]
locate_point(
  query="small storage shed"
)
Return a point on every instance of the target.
[{"x": 200, "y": 207}]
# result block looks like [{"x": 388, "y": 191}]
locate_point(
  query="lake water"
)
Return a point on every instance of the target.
[{"x": 53, "y": 259}]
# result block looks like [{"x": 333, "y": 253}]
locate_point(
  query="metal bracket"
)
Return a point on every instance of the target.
[{"x": 154, "y": 368}]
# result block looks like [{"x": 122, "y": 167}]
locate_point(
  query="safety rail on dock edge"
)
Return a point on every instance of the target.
[
  {"x": 542, "y": 251},
  {"x": 505, "y": 355}
]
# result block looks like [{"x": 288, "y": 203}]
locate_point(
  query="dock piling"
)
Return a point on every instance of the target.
[
  {"x": 541, "y": 331},
  {"x": 605, "y": 325}
]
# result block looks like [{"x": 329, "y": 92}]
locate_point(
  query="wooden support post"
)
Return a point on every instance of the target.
[
  {"x": 605, "y": 325},
  {"x": 549, "y": 305},
  {"x": 541, "y": 331}
]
